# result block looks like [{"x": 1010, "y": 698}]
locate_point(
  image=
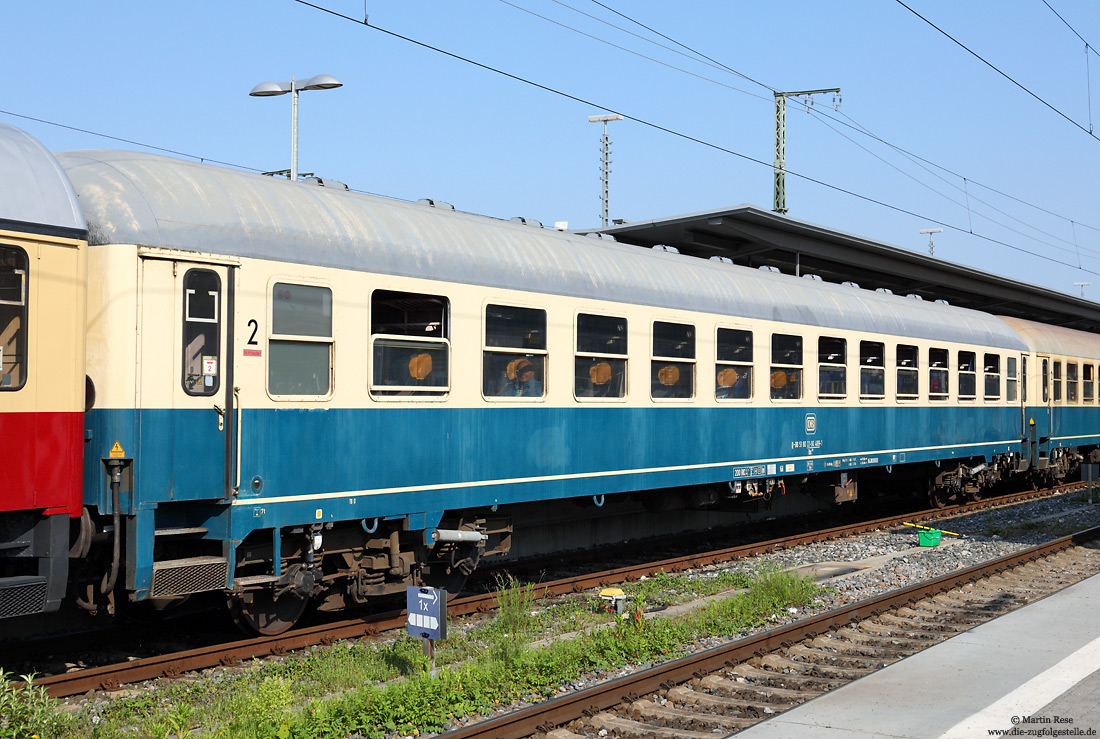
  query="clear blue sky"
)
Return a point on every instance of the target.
[{"x": 411, "y": 122}]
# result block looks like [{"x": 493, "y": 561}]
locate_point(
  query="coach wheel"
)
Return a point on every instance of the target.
[
  {"x": 264, "y": 614},
  {"x": 938, "y": 496}
]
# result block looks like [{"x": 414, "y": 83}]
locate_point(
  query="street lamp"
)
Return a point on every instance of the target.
[
  {"x": 929, "y": 232},
  {"x": 266, "y": 89},
  {"x": 605, "y": 162}
]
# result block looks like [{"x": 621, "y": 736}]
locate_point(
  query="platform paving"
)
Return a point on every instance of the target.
[{"x": 1037, "y": 668}]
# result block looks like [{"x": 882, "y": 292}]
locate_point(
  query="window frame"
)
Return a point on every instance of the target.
[
  {"x": 823, "y": 366},
  {"x": 1012, "y": 377},
  {"x": 1088, "y": 382},
  {"x": 870, "y": 369},
  {"x": 939, "y": 370},
  {"x": 217, "y": 323},
  {"x": 22, "y": 334},
  {"x": 1056, "y": 380},
  {"x": 517, "y": 352},
  {"x": 667, "y": 361},
  {"x": 910, "y": 370},
  {"x": 273, "y": 338},
  {"x": 721, "y": 365},
  {"x": 971, "y": 374},
  {"x": 624, "y": 357},
  {"x": 995, "y": 375},
  {"x": 1072, "y": 378},
  {"x": 409, "y": 393},
  {"x": 776, "y": 367}
]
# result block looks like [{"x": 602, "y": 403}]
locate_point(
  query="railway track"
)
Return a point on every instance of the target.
[
  {"x": 729, "y": 688},
  {"x": 112, "y": 677}
]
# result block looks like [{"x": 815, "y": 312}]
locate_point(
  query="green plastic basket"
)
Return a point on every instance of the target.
[{"x": 929, "y": 538}]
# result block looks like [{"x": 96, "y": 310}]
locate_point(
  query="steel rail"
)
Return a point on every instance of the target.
[
  {"x": 627, "y": 689},
  {"x": 111, "y": 677}
]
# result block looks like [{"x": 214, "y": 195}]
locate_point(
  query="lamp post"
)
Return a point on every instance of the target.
[
  {"x": 605, "y": 163},
  {"x": 929, "y": 232},
  {"x": 267, "y": 89}
]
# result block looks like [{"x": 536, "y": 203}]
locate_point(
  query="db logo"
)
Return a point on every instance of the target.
[{"x": 811, "y": 424}]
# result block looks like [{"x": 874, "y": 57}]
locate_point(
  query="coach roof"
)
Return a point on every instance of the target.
[
  {"x": 35, "y": 194},
  {"x": 151, "y": 200}
]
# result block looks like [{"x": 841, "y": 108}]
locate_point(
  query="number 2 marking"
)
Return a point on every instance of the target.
[{"x": 255, "y": 327}]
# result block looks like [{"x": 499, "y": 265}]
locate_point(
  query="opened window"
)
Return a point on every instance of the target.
[
  {"x": 300, "y": 347},
  {"x": 872, "y": 370},
  {"x": 733, "y": 370},
  {"x": 1071, "y": 382},
  {"x": 1089, "y": 384},
  {"x": 1010, "y": 379},
  {"x": 13, "y": 317},
  {"x": 410, "y": 344},
  {"x": 1057, "y": 382},
  {"x": 514, "y": 356},
  {"x": 832, "y": 370},
  {"x": 600, "y": 361},
  {"x": 786, "y": 367},
  {"x": 672, "y": 369}
]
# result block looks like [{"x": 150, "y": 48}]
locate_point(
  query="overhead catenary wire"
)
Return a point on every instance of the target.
[
  {"x": 673, "y": 132},
  {"x": 854, "y": 125},
  {"x": 127, "y": 141},
  {"x": 996, "y": 69}
]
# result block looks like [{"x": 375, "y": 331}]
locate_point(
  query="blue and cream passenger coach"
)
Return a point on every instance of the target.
[{"x": 303, "y": 393}]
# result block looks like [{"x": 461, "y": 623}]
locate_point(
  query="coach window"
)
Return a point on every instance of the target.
[
  {"x": 672, "y": 370},
  {"x": 1088, "y": 386},
  {"x": 872, "y": 370},
  {"x": 1010, "y": 379},
  {"x": 968, "y": 377},
  {"x": 832, "y": 372},
  {"x": 300, "y": 347},
  {"x": 1071, "y": 382},
  {"x": 13, "y": 318},
  {"x": 733, "y": 371},
  {"x": 410, "y": 344},
  {"x": 939, "y": 374},
  {"x": 908, "y": 369},
  {"x": 992, "y": 372},
  {"x": 1057, "y": 382},
  {"x": 514, "y": 357},
  {"x": 786, "y": 370},
  {"x": 201, "y": 332},
  {"x": 600, "y": 362},
  {"x": 1046, "y": 381}
]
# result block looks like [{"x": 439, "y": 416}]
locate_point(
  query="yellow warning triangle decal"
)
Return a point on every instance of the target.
[{"x": 117, "y": 452}]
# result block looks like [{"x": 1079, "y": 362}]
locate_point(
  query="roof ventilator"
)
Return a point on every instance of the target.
[
  {"x": 811, "y": 276},
  {"x": 941, "y": 301},
  {"x": 849, "y": 283},
  {"x": 723, "y": 260},
  {"x": 333, "y": 184},
  {"x": 666, "y": 247},
  {"x": 527, "y": 221},
  {"x": 768, "y": 268},
  {"x": 884, "y": 290},
  {"x": 598, "y": 235},
  {"x": 435, "y": 204},
  {"x": 914, "y": 296}
]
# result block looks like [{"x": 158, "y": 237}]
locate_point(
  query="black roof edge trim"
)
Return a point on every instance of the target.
[{"x": 42, "y": 229}]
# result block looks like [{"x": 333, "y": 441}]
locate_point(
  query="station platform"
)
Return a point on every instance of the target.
[{"x": 1032, "y": 672}]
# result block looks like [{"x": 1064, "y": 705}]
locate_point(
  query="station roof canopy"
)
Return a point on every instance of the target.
[{"x": 754, "y": 237}]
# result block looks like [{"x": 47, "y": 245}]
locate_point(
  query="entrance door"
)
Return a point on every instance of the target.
[{"x": 185, "y": 381}]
